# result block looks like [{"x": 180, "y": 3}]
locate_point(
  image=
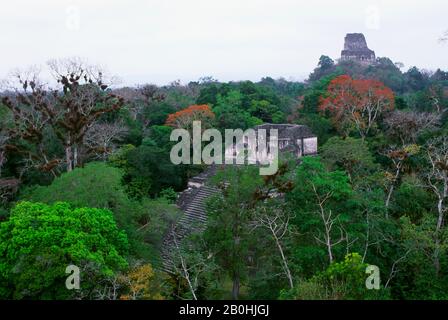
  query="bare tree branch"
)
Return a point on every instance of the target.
[
  {"x": 437, "y": 177},
  {"x": 101, "y": 139},
  {"x": 276, "y": 220}
]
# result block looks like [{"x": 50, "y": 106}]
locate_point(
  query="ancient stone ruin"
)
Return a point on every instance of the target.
[
  {"x": 355, "y": 49},
  {"x": 295, "y": 139}
]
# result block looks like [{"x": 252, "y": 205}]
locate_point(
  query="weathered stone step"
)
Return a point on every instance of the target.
[{"x": 193, "y": 204}]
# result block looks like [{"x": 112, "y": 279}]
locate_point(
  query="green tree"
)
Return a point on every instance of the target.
[
  {"x": 325, "y": 66},
  {"x": 149, "y": 171},
  {"x": 98, "y": 185},
  {"x": 325, "y": 62},
  {"x": 320, "y": 202},
  {"x": 418, "y": 277},
  {"x": 231, "y": 114},
  {"x": 350, "y": 154},
  {"x": 343, "y": 280},
  {"x": 266, "y": 111},
  {"x": 412, "y": 200},
  {"x": 228, "y": 233},
  {"x": 416, "y": 80},
  {"x": 39, "y": 241}
]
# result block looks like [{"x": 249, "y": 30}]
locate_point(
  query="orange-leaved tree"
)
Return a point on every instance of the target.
[
  {"x": 356, "y": 105},
  {"x": 141, "y": 284},
  {"x": 183, "y": 119}
]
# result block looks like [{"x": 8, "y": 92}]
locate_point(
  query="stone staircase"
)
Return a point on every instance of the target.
[
  {"x": 195, "y": 210},
  {"x": 192, "y": 203}
]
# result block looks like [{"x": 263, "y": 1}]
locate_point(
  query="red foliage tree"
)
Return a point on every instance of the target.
[
  {"x": 356, "y": 104},
  {"x": 183, "y": 119}
]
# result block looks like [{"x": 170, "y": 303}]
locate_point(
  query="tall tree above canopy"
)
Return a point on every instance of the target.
[
  {"x": 325, "y": 62},
  {"x": 70, "y": 111},
  {"x": 356, "y": 105}
]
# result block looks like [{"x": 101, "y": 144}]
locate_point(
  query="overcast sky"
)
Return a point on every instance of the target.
[{"x": 159, "y": 41}]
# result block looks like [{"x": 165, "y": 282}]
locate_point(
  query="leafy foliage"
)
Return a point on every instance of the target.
[
  {"x": 356, "y": 105},
  {"x": 99, "y": 186},
  {"x": 375, "y": 194},
  {"x": 43, "y": 240},
  {"x": 184, "y": 119}
]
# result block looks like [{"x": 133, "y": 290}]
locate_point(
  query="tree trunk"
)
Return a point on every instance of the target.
[
  {"x": 391, "y": 189},
  {"x": 68, "y": 158},
  {"x": 75, "y": 157},
  {"x": 330, "y": 253},
  {"x": 389, "y": 196},
  {"x": 440, "y": 211},
  {"x": 236, "y": 286},
  {"x": 328, "y": 236},
  {"x": 285, "y": 263},
  {"x": 184, "y": 271},
  {"x": 437, "y": 242}
]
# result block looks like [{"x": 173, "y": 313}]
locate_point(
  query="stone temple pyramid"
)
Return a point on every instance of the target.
[{"x": 355, "y": 48}]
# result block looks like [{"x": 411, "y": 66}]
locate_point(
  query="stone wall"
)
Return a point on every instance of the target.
[{"x": 355, "y": 48}]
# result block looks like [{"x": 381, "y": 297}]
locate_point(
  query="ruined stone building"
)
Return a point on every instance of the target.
[
  {"x": 293, "y": 138},
  {"x": 296, "y": 139},
  {"x": 355, "y": 48}
]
